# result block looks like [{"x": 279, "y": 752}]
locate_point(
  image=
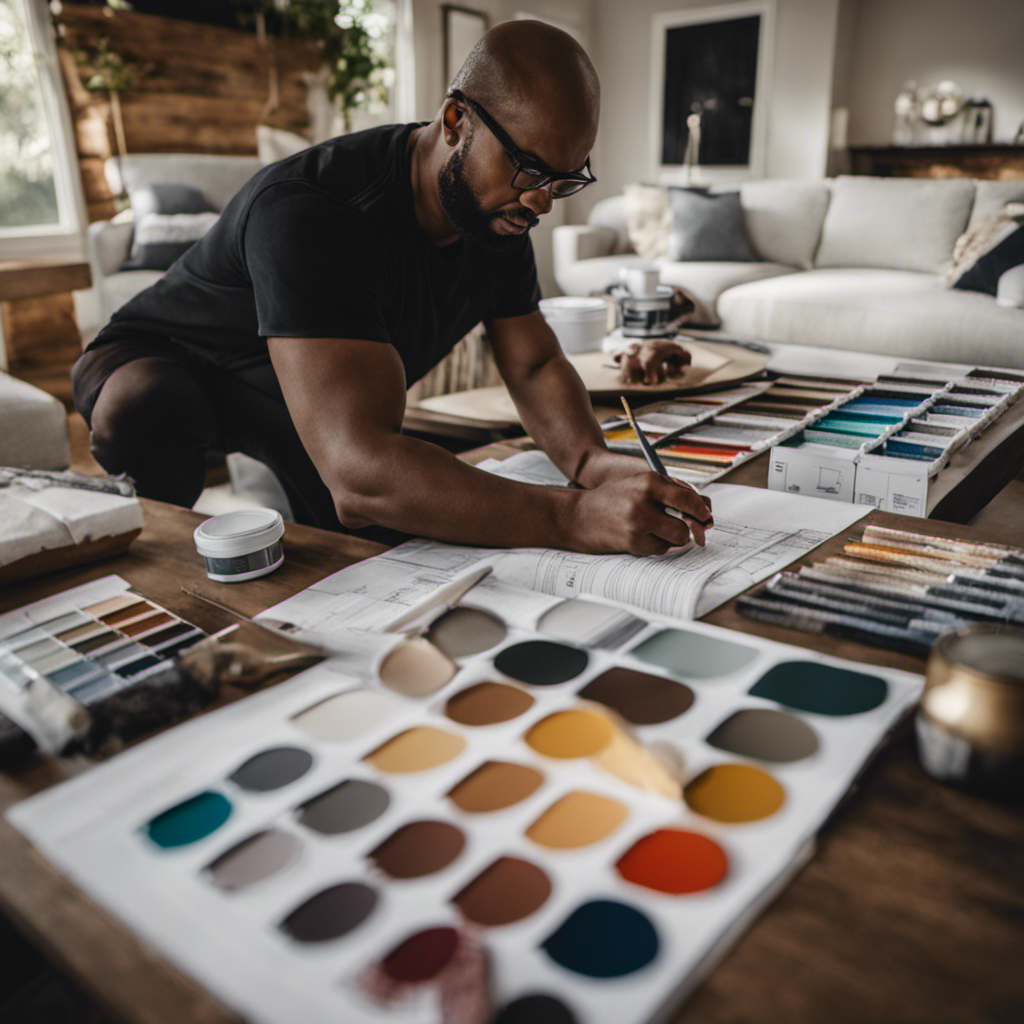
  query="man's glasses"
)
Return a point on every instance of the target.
[{"x": 531, "y": 171}]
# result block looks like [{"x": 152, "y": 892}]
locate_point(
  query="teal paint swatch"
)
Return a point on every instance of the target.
[
  {"x": 821, "y": 689},
  {"x": 189, "y": 821},
  {"x": 694, "y": 655}
]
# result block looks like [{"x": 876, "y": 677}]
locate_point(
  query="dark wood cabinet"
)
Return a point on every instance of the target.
[{"x": 994, "y": 160}]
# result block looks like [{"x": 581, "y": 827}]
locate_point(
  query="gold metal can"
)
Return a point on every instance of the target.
[{"x": 970, "y": 727}]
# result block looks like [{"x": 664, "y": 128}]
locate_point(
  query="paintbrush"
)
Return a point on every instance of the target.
[{"x": 655, "y": 463}]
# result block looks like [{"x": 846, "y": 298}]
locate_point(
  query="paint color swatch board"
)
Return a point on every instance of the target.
[
  {"x": 286, "y": 848},
  {"x": 703, "y": 437},
  {"x": 90, "y": 641}
]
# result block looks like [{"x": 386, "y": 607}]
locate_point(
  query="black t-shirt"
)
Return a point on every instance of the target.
[{"x": 326, "y": 244}]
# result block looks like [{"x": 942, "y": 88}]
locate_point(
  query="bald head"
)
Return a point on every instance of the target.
[{"x": 525, "y": 70}]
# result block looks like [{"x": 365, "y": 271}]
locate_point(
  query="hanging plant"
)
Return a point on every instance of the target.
[{"x": 109, "y": 72}]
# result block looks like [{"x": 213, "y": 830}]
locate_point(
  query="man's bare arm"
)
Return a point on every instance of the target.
[
  {"x": 556, "y": 412},
  {"x": 347, "y": 399}
]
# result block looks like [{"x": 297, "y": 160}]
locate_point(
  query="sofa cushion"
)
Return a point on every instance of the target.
[
  {"x": 33, "y": 427},
  {"x": 217, "y": 177},
  {"x": 894, "y": 223},
  {"x": 706, "y": 280},
  {"x": 888, "y": 311},
  {"x": 991, "y": 196},
  {"x": 121, "y": 287},
  {"x": 707, "y": 226},
  {"x": 784, "y": 219}
]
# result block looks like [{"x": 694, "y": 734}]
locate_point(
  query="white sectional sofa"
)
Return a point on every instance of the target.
[
  {"x": 853, "y": 263},
  {"x": 217, "y": 177}
]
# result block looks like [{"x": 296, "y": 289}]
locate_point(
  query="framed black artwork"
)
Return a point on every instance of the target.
[{"x": 710, "y": 80}]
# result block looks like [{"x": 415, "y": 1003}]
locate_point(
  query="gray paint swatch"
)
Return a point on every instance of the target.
[
  {"x": 272, "y": 769},
  {"x": 345, "y": 807},
  {"x": 694, "y": 655},
  {"x": 331, "y": 913},
  {"x": 254, "y": 859},
  {"x": 765, "y": 735},
  {"x": 463, "y": 632}
]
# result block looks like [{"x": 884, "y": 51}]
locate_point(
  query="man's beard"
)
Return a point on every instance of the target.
[{"x": 464, "y": 210}]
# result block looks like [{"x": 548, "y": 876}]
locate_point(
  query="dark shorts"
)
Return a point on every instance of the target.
[{"x": 244, "y": 399}]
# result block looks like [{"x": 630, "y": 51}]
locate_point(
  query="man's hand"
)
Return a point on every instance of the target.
[
  {"x": 631, "y": 515},
  {"x": 652, "y": 362}
]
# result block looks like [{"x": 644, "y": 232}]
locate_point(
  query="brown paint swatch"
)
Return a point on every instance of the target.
[
  {"x": 641, "y": 698},
  {"x": 462, "y": 632},
  {"x": 488, "y": 704},
  {"x": 416, "y": 750},
  {"x": 112, "y": 604},
  {"x": 765, "y": 735},
  {"x": 419, "y": 848},
  {"x": 416, "y": 667},
  {"x": 131, "y": 611},
  {"x": 577, "y": 819},
  {"x": 734, "y": 793},
  {"x": 494, "y": 786},
  {"x": 331, "y": 913},
  {"x": 149, "y": 622},
  {"x": 254, "y": 859},
  {"x": 506, "y": 891}
]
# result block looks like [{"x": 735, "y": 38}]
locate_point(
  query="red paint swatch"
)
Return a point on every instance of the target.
[
  {"x": 673, "y": 861},
  {"x": 421, "y": 956}
]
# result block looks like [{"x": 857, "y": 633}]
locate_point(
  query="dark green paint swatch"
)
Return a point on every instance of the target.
[
  {"x": 189, "y": 821},
  {"x": 821, "y": 689}
]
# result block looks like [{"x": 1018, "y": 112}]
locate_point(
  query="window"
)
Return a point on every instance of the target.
[{"x": 40, "y": 210}]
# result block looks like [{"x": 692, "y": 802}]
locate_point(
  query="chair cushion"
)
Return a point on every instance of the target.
[
  {"x": 169, "y": 197},
  {"x": 160, "y": 238},
  {"x": 121, "y": 287},
  {"x": 648, "y": 220},
  {"x": 991, "y": 196},
  {"x": 889, "y": 311},
  {"x": 1006, "y": 250},
  {"x": 33, "y": 427},
  {"x": 784, "y": 219},
  {"x": 708, "y": 226},
  {"x": 894, "y": 223}
]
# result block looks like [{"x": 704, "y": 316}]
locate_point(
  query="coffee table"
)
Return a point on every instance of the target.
[{"x": 909, "y": 911}]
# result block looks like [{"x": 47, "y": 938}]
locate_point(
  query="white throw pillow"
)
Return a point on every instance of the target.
[
  {"x": 784, "y": 219},
  {"x": 273, "y": 144}
]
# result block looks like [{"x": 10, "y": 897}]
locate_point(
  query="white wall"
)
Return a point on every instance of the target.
[
  {"x": 798, "y": 104},
  {"x": 977, "y": 44}
]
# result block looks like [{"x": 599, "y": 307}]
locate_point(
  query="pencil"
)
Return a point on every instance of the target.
[{"x": 657, "y": 466}]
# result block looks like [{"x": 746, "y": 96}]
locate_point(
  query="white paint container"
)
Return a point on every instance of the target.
[
  {"x": 240, "y": 546},
  {"x": 580, "y": 324}
]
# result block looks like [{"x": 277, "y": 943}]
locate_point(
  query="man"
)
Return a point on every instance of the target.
[{"x": 338, "y": 277}]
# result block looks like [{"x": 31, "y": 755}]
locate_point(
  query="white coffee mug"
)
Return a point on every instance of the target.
[{"x": 643, "y": 281}]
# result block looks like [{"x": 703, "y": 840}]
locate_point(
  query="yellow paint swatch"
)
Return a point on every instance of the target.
[
  {"x": 735, "y": 793},
  {"x": 570, "y": 734},
  {"x": 577, "y": 819},
  {"x": 416, "y": 750}
]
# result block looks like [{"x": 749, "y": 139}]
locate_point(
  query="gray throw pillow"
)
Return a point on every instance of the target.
[
  {"x": 169, "y": 197},
  {"x": 708, "y": 226},
  {"x": 169, "y": 218}
]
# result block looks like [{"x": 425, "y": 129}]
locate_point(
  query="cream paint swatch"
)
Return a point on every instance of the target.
[
  {"x": 577, "y": 819},
  {"x": 416, "y": 750},
  {"x": 416, "y": 668},
  {"x": 346, "y": 715}
]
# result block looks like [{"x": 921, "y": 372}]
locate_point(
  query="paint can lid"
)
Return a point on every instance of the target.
[{"x": 239, "y": 533}]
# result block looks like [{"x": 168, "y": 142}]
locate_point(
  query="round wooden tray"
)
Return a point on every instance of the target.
[{"x": 715, "y": 366}]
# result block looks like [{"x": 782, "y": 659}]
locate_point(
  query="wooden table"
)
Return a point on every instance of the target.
[{"x": 911, "y": 910}]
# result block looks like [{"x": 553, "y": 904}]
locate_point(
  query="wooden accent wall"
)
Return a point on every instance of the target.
[{"x": 206, "y": 93}]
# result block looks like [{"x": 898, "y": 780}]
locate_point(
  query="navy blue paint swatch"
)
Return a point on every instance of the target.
[{"x": 603, "y": 939}]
